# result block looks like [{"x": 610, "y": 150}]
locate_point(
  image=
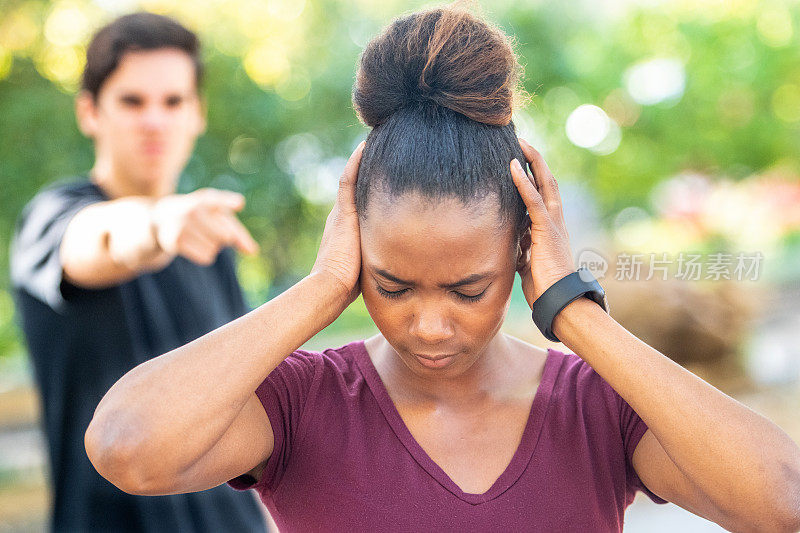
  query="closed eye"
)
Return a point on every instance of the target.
[
  {"x": 391, "y": 294},
  {"x": 470, "y": 297}
]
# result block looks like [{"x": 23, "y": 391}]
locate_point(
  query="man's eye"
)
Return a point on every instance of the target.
[
  {"x": 174, "y": 101},
  {"x": 131, "y": 101},
  {"x": 390, "y": 294}
]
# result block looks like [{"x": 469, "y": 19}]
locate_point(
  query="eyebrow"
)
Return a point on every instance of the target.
[
  {"x": 472, "y": 278},
  {"x": 133, "y": 93}
]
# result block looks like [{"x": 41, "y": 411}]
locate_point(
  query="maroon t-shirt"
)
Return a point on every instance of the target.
[{"x": 345, "y": 461}]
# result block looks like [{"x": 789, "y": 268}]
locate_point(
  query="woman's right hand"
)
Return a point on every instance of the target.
[{"x": 339, "y": 255}]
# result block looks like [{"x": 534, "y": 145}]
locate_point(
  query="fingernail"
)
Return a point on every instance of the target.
[{"x": 516, "y": 164}]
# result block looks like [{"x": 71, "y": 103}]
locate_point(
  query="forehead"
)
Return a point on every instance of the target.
[
  {"x": 438, "y": 241},
  {"x": 153, "y": 72}
]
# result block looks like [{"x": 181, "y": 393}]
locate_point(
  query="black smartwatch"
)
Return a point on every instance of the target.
[{"x": 562, "y": 293}]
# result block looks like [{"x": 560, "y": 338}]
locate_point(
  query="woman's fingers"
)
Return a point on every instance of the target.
[
  {"x": 545, "y": 183},
  {"x": 527, "y": 189},
  {"x": 347, "y": 183}
]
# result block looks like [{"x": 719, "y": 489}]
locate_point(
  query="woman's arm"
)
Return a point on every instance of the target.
[
  {"x": 740, "y": 469},
  {"x": 188, "y": 419},
  {"x": 704, "y": 450}
]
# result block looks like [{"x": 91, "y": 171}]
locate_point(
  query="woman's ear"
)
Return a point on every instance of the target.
[{"x": 524, "y": 249}]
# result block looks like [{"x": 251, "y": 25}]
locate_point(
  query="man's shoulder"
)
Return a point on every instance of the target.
[
  {"x": 61, "y": 194},
  {"x": 73, "y": 187}
]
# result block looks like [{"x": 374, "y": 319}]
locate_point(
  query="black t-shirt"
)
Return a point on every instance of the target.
[{"x": 82, "y": 341}]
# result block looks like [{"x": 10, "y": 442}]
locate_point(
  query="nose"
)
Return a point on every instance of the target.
[
  {"x": 154, "y": 118},
  {"x": 431, "y": 324}
]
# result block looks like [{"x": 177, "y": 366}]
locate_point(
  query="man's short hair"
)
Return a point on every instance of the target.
[{"x": 137, "y": 31}]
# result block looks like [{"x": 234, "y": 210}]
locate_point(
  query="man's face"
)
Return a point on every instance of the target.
[{"x": 146, "y": 119}]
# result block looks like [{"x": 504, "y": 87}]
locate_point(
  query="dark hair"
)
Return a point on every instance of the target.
[
  {"x": 438, "y": 88},
  {"x": 137, "y": 31}
]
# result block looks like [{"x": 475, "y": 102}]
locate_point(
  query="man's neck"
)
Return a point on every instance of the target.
[{"x": 115, "y": 182}]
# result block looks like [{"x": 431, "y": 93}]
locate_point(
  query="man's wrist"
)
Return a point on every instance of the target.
[{"x": 153, "y": 226}]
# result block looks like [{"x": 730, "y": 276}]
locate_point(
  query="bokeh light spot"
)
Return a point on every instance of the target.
[
  {"x": 66, "y": 26},
  {"x": 656, "y": 80},
  {"x": 775, "y": 27},
  {"x": 587, "y": 126},
  {"x": 786, "y": 102},
  {"x": 19, "y": 30},
  {"x": 621, "y": 108},
  {"x": 286, "y": 10},
  {"x": 298, "y": 152},
  {"x": 246, "y": 155},
  {"x": 294, "y": 87},
  {"x": 318, "y": 184},
  {"x": 266, "y": 64},
  {"x": 62, "y": 65}
]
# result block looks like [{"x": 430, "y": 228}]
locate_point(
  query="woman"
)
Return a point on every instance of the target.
[{"x": 440, "y": 422}]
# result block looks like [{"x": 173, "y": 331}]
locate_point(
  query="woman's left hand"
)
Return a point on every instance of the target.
[{"x": 546, "y": 255}]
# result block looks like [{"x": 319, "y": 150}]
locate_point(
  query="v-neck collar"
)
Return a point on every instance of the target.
[{"x": 522, "y": 455}]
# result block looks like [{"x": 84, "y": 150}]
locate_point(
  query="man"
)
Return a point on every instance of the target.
[{"x": 115, "y": 269}]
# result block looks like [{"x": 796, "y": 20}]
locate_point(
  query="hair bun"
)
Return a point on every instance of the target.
[{"x": 445, "y": 56}]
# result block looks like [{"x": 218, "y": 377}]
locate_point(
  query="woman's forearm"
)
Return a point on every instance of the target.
[
  {"x": 739, "y": 459},
  {"x": 172, "y": 409}
]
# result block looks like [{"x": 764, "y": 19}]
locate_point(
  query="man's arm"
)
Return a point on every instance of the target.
[{"x": 108, "y": 243}]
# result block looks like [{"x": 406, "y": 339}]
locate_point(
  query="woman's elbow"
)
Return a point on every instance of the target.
[{"x": 118, "y": 455}]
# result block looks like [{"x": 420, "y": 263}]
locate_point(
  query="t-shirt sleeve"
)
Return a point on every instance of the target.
[
  {"x": 35, "y": 254},
  {"x": 633, "y": 429},
  {"x": 283, "y": 395}
]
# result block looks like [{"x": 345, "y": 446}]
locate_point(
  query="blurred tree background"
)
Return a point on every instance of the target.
[{"x": 626, "y": 95}]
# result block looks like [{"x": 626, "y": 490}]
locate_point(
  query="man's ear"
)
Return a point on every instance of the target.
[{"x": 86, "y": 113}]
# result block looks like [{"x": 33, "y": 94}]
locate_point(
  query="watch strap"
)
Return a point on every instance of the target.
[{"x": 561, "y": 294}]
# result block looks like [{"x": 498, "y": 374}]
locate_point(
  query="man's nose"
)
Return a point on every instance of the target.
[
  {"x": 154, "y": 118},
  {"x": 431, "y": 324}
]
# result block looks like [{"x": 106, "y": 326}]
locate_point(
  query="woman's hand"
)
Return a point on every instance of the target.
[
  {"x": 546, "y": 256},
  {"x": 339, "y": 253}
]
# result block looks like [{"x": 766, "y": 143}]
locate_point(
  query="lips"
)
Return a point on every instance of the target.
[
  {"x": 153, "y": 148},
  {"x": 435, "y": 360}
]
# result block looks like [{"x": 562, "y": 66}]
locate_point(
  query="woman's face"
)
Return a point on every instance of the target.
[{"x": 436, "y": 277}]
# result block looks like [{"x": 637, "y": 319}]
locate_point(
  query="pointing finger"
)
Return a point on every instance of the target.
[
  {"x": 236, "y": 234},
  {"x": 243, "y": 241},
  {"x": 223, "y": 199}
]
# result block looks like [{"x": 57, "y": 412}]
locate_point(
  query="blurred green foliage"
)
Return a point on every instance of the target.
[{"x": 280, "y": 125}]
